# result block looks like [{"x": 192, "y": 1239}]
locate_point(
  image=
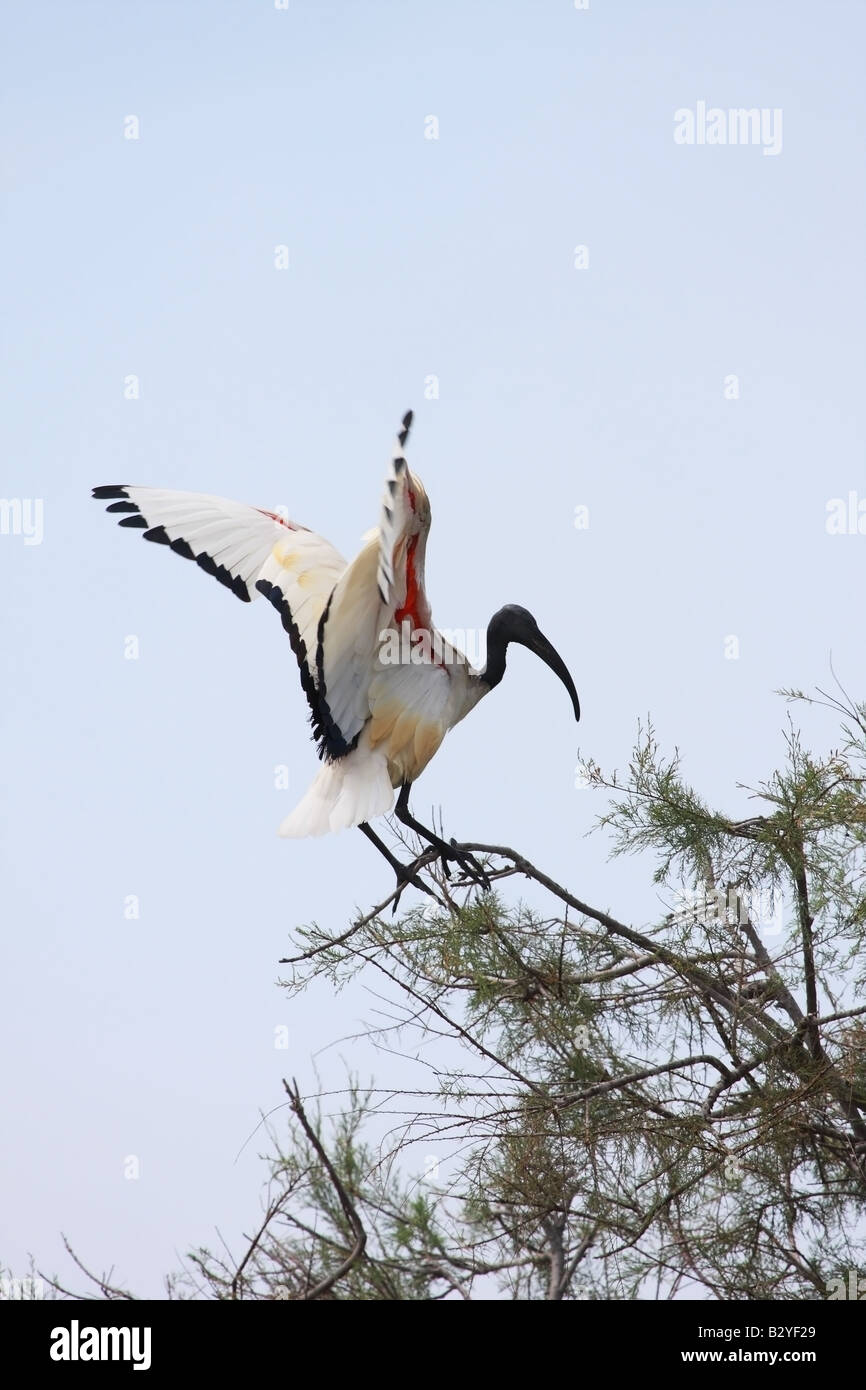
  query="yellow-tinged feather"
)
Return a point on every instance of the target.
[
  {"x": 402, "y": 734},
  {"x": 427, "y": 739},
  {"x": 407, "y": 760},
  {"x": 382, "y": 723}
]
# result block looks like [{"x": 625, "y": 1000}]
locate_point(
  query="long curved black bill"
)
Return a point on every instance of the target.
[{"x": 550, "y": 656}]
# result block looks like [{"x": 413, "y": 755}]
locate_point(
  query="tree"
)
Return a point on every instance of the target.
[{"x": 672, "y": 1111}]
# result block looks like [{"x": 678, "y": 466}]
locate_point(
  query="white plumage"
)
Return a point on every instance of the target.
[
  {"x": 383, "y": 687},
  {"x": 346, "y": 792}
]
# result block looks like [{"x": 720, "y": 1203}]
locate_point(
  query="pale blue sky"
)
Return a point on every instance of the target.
[{"x": 558, "y": 387}]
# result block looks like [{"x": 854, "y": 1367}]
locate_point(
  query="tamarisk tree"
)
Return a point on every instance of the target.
[{"x": 671, "y": 1110}]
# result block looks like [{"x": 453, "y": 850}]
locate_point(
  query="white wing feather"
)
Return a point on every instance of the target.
[
  {"x": 251, "y": 552},
  {"x": 376, "y": 724},
  {"x": 396, "y": 511}
]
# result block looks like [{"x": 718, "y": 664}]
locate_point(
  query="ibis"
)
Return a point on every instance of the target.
[{"x": 382, "y": 684}]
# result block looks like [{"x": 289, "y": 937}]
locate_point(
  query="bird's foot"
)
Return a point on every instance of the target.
[
  {"x": 406, "y": 875},
  {"x": 472, "y": 869}
]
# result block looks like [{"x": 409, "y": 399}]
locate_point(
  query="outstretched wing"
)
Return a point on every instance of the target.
[
  {"x": 252, "y": 552},
  {"x": 396, "y": 511},
  {"x": 364, "y": 599}
]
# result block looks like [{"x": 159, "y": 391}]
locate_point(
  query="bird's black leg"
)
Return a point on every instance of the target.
[
  {"x": 405, "y": 872},
  {"x": 447, "y": 851}
]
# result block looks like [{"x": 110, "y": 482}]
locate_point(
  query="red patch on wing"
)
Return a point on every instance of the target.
[
  {"x": 413, "y": 592},
  {"x": 415, "y": 609},
  {"x": 275, "y": 516}
]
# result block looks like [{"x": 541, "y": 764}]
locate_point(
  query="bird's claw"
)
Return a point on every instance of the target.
[
  {"x": 408, "y": 875},
  {"x": 468, "y": 863}
]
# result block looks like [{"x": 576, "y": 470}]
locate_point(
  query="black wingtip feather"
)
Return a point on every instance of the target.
[
  {"x": 328, "y": 738},
  {"x": 231, "y": 581},
  {"x": 111, "y": 490},
  {"x": 160, "y": 536},
  {"x": 403, "y": 434}
]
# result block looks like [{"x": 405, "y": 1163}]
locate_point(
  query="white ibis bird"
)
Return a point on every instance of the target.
[{"x": 383, "y": 686}]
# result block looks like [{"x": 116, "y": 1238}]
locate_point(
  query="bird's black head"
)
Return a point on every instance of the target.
[{"x": 515, "y": 624}]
